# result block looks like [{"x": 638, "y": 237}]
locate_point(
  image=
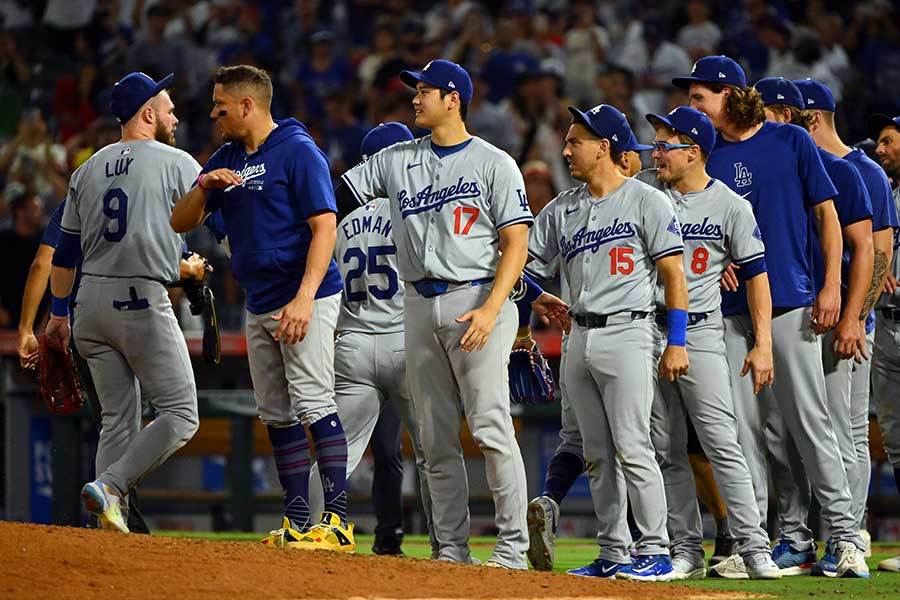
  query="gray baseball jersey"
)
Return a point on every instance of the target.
[
  {"x": 367, "y": 259},
  {"x": 445, "y": 211},
  {"x": 718, "y": 228},
  {"x": 120, "y": 201},
  {"x": 607, "y": 246}
]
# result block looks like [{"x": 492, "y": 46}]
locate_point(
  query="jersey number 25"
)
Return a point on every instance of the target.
[{"x": 369, "y": 264}]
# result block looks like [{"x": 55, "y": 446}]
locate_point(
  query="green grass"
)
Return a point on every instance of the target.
[{"x": 574, "y": 552}]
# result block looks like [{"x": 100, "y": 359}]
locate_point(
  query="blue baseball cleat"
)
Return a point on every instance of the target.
[
  {"x": 792, "y": 561},
  {"x": 655, "y": 567},
  {"x": 602, "y": 568}
]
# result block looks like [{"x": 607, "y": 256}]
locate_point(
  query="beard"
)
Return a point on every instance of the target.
[{"x": 163, "y": 136}]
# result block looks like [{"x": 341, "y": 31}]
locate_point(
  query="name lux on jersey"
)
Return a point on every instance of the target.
[{"x": 428, "y": 199}]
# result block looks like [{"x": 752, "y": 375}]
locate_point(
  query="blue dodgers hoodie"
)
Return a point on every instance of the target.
[{"x": 285, "y": 181}]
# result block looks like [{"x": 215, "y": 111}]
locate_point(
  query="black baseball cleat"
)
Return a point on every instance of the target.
[
  {"x": 388, "y": 547},
  {"x": 724, "y": 548}
]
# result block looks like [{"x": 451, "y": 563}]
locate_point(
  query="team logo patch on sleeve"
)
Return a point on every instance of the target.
[
  {"x": 673, "y": 227},
  {"x": 757, "y": 233}
]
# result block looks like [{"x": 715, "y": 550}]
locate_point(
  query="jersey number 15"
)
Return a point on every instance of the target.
[{"x": 369, "y": 264}]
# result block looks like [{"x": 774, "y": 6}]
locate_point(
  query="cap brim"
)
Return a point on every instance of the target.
[
  {"x": 877, "y": 122},
  {"x": 640, "y": 147},
  {"x": 411, "y": 78},
  {"x": 164, "y": 83},
  {"x": 583, "y": 119},
  {"x": 685, "y": 82}
]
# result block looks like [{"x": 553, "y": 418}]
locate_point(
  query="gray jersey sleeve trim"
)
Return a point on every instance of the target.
[
  {"x": 353, "y": 189},
  {"x": 668, "y": 251},
  {"x": 525, "y": 219},
  {"x": 67, "y": 230},
  {"x": 751, "y": 258}
]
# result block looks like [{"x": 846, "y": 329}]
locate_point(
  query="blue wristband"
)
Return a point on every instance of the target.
[
  {"x": 532, "y": 290},
  {"x": 676, "y": 321},
  {"x": 524, "y": 308},
  {"x": 59, "y": 307}
]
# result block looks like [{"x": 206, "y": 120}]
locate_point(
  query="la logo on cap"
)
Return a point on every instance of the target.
[
  {"x": 810, "y": 101},
  {"x": 780, "y": 97},
  {"x": 721, "y": 75},
  {"x": 451, "y": 85},
  {"x": 615, "y": 137},
  {"x": 428, "y": 65},
  {"x": 694, "y": 69},
  {"x": 694, "y": 131},
  {"x": 596, "y": 109}
]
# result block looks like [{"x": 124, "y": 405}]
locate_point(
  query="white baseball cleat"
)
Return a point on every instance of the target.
[
  {"x": 761, "y": 566},
  {"x": 867, "y": 540},
  {"x": 543, "y": 518},
  {"x": 687, "y": 567},
  {"x": 850, "y": 561},
  {"x": 732, "y": 567},
  {"x": 890, "y": 564},
  {"x": 100, "y": 500}
]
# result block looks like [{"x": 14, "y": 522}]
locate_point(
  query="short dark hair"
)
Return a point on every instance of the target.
[
  {"x": 463, "y": 105},
  {"x": 252, "y": 79}
]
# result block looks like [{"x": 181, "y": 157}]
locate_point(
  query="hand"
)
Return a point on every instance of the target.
[
  {"x": 482, "y": 321},
  {"x": 58, "y": 328},
  {"x": 760, "y": 361},
  {"x": 552, "y": 310},
  {"x": 295, "y": 318},
  {"x": 28, "y": 350},
  {"x": 850, "y": 339},
  {"x": 526, "y": 344},
  {"x": 890, "y": 284},
  {"x": 826, "y": 309},
  {"x": 219, "y": 179},
  {"x": 194, "y": 267},
  {"x": 674, "y": 363},
  {"x": 729, "y": 278}
]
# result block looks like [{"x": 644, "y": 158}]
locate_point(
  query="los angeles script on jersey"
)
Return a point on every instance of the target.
[
  {"x": 585, "y": 239},
  {"x": 430, "y": 199},
  {"x": 701, "y": 231}
]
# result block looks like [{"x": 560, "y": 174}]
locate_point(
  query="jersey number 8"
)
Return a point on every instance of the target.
[{"x": 699, "y": 260}]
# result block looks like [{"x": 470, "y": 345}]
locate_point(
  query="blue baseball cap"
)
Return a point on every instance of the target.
[
  {"x": 386, "y": 134},
  {"x": 816, "y": 95},
  {"x": 692, "y": 123},
  {"x": 713, "y": 69},
  {"x": 130, "y": 93},
  {"x": 634, "y": 146},
  {"x": 877, "y": 122},
  {"x": 442, "y": 74},
  {"x": 778, "y": 90},
  {"x": 608, "y": 122}
]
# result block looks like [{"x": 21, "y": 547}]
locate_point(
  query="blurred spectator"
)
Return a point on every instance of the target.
[
  {"x": 156, "y": 55},
  {"x": 63, "y": 20},
  {"x": 344, "y": 132},
  {"x": 488, "y": 120},
  {"x": 700, "y": 36},
  {"x": 466, "y": 47},
  {"x": 73, "y": 101},
  {"x": 33, "y": 159},
  {"x": 807, "y": 59},
  {"x": 506, "y": 62},
  {"x": 322, "y": 72},
  {"x": 538, "y": 185},
  {"x": 383, "y": 47},
  {"x": 585, "y": 46},
  {"x": 17, "y": 14},
  {"x": 14, "y": 74},
  {"x": 20, "y": 243}
]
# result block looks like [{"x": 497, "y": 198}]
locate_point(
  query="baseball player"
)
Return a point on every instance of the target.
[
  {"x": 784, "y": 103},
  {"x": 116, "y": 216},
  {"x": 273, "y": 188},
  {"x": 886, "y": 359},
  {"x": 777, "y": 169},
  {"x": 460, "y": 220},
  {"x": 611, "y": 235},
  {"x": 718, "y": 229},
  {"x": 370, "y": 368},
  {"x": 821, "y": 106}
]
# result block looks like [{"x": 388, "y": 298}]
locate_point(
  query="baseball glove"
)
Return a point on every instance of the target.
[
  {"x": 57, "y": 377},
  {"x": 530, "y": 378},
  {"x": 203, "y": 302}
]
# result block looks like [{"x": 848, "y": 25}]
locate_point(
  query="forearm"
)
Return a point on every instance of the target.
[
  {"x": 188, "y": 211},
  {"x": 675, "y": 286},
  {"x": 859, "y": 278},
  {"x": 759, "y": 299},
  {"x": 883, "y": 242},
  {"x": 830, "y": 240},
  {"x": 61, "y": 280},
  {"x": 509, "y": 269},
  {"x": 35, "y": 286},
  {"x": 321, "y": 249}
]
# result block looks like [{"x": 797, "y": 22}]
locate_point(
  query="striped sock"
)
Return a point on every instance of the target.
[
  {"x": 290, "y": 448},
  {"x": 331, "y": 455}
]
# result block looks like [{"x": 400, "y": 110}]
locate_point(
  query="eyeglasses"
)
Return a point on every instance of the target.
[{"x": 665, "y": 147}]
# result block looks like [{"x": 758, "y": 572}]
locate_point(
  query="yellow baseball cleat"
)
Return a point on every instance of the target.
[
  {"x": 277, "y": 538},
  {"x": 332, "y": 533},
  {"x": 99, "y": 499}
]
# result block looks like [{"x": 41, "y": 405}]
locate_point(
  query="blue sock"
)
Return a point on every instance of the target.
[
  {"x": 290, "y": 448},
  {"x": 331, "y": 455},
  {"x": 564, "y": 469}
]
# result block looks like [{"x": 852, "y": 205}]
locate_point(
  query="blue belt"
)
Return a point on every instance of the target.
[
  {"x": 134, "y": 303},
  {"x": 429, "y": 288},
  {"x": 693, "y": 318},
  {"x": 595, "y": 321}
]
